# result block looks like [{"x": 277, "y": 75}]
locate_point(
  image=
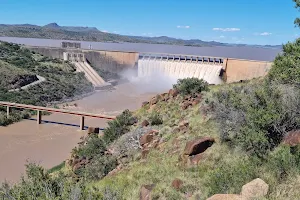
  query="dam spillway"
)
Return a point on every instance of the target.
[{"x": 179, "y": 68}]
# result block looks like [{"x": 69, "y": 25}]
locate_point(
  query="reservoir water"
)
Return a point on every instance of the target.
[{"x": 50, "y": 143}]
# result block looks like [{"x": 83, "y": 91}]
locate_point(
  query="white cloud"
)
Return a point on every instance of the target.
[
  {"x": 222, "y": 36},
  {"x": 187, "y": 27},
  {"x": 263, "y": 34},
  {"x": 104, "y": 31},
  {"x": 226, "y": 29}
]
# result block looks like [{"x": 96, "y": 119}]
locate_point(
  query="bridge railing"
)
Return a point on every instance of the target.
[{"x": 39, "y": 109}]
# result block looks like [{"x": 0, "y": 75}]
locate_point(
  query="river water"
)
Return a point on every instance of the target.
[{"x": 50, "y": 143}]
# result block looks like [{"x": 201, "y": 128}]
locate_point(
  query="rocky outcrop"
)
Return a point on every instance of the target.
[
  {"x": 198, "y": 146},
  {"x": 145, "y": 192},
  {"x": 292, "y": 138}
]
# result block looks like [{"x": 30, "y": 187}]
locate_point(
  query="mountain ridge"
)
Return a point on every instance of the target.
[{"x": 55, "y": 31}]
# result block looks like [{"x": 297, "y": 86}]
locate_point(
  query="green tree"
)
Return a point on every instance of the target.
[{"x": 297, "y": 20}]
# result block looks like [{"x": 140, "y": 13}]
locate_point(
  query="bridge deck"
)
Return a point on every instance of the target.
[{"x": 55, "y": 110}]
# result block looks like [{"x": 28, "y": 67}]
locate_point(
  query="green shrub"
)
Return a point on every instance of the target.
[
  {"x": 40, "y": 185},
  {"x": 100, "y": 166},
  {"x": 282, "y": 162},
  {"x": 229, "y": 177},
  {"x": 119, "y": 126},
  {"x": 95, "y": 146},
  {"x": 155, "y": 119},
  {"x": 256, "y": 116},
  {"x": 190, "y": 86},
  {"x": 286, "y": 67}
]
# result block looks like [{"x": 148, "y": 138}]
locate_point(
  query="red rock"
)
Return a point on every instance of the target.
[
  {"x": 145, "y": 192},
  {"x": 145, "y": 153},
  {"x": 177, "y": 184},
  {"x": 145, "y": 123},
  {"x": 155, "y": 100},
  {"x": 93, "y": 130},
  {"x": 292, "y": 138},
  {"x": 148, "y": 137},
  {"x": 185, "y": 105},
  {"x": 195, "y": 102},
  {"x": 198, "y": 146},
  {"x": 173, "y": 93},
  {"x": 196, "y": 159}
]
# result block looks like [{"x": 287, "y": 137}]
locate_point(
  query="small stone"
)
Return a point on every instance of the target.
[
  {"x": 93, "y": 130},
  {"x": 173, "y": 93},
  {"x": 145, "y": 192},
  {"x": 145, "y": 123},
  {"x": 185, "y": 105},
  {"x": 177, "y": 184},
  {"x": 148, "y": 137}
]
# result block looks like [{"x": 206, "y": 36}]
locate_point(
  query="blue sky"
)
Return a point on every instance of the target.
[{"x": 232, "y": 21}]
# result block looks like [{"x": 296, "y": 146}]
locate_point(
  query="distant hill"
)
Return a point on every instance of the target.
[{"x": 54, "y": 31}]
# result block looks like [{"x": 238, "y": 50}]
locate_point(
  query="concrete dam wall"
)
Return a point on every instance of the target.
[
  {"x": 181, "y": 69},
  {"x": 233, "y": 70}
]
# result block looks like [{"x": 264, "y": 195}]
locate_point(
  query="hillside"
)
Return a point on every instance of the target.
[
  {"x": 235, "y": 141},
  {"x": 19, "y": 67},
  {"x": 54, "y": 31}
]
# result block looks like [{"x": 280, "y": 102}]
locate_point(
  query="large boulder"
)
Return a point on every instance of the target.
[
  {"x": 292, "y": 138},
  {"x": 197, "y": 146},
  {"x": 145, "y": 192},
  {"x": 226, "y": 197},
  {"x": 255, "y": 189}
]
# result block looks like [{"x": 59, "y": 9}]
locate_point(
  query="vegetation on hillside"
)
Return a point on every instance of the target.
[
  {"x": 19, "y": 66},
  {"x": 252, "y": 130}
]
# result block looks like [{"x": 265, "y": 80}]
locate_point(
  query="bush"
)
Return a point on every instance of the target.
[
  {"x": 95, "y": 146},
  {"x": 40, "y": 185},
  {"x": 190, "y": 86},
  {"x": 155, "y": 119},
  {"x": 118, "y": 127},
  {"x": 286, "y": 67},
  {"x": 259, "y": 114},
  {"x": 282, "y": 162},
  {"x": 100, "y": 166},
  {"x": 229, "y": 177}
]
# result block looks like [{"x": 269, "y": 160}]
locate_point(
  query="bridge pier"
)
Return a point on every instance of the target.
[
  {"x": 7, "y": 111},
  {"x": 81, "y": 123},
  {"x": 39, "y": 117}
]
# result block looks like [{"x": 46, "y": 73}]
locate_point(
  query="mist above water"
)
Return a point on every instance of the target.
[{"x": 155, "y": 82}]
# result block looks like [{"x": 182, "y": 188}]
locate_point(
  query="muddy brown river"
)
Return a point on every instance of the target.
[{"x": 50, "y": 143}]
